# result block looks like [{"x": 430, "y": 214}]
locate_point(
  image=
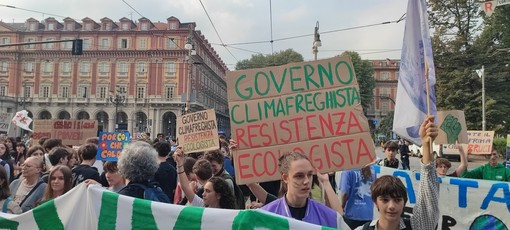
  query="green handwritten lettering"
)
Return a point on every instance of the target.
[
  {"x": 294, "y": 78},
  {"x": 249, "y": 90},
  {"x": 328, "y": 73},
  {"x": 279, "y": 85},
  {"x": 257, "y": 84},
  {"x": 309, "y": 71},
  {"x": 351, "y": 73},
  {"x": 232, "y": 112}
]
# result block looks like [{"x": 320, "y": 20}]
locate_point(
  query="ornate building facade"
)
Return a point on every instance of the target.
[
  {"x": 139, "y": 69},
  {"x": 385, "y": 91}
]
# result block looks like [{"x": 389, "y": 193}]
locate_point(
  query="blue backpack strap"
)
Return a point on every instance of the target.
[{"x": 5, "y": 207}]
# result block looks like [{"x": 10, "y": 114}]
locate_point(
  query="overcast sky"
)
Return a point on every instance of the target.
[{"x": 240, "y": 21}]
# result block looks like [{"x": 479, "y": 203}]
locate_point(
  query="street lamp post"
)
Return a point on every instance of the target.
[
  {"x": 316, "y": 41},
  {"x": 117, "y": 99},
  {"x": 481, "y": 74},
  {"x": 191, "y": 51}
]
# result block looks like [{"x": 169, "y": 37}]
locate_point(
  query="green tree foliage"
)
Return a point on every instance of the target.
[
  {"x": 386, "y": 125},
  {"x": 276, "y": 59},
  {"x": 365, "y": 75},
  {"x": 462, "y": 43}
]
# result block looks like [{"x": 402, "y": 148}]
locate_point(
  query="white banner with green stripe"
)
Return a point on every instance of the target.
[{"x": 95, "y": 208}]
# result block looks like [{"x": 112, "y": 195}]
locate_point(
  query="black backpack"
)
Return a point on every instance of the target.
[
  {"x": 407, "y": 222},
  {"x": 153, "y": 192},
  {"x": 239, "y": 197}
]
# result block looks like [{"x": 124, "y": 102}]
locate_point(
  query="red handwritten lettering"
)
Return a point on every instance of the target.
[{"x": 241, "y": 167}]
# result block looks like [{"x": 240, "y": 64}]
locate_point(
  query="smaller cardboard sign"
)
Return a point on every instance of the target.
[
  {"x": 452, "y": 127},
  {"x": 111, "y": 145},
  {"x": 5, "y": 122},
  {"x": 71, "y": 132},
  {"x": 480, "y": 143},
  {"x": 198, "y": 131}
]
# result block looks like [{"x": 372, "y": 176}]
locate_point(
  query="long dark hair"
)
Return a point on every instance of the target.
[
  {"x": 4, "y": 187},
  {"x": 220, "y": 186},
  {"x": 7, "y": 154},
  {"x": 66, "y": 172}
]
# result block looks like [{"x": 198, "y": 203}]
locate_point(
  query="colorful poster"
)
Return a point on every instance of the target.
[
  {"x": 463, "y": 203},
  {"x": 452, "y": 127},
  {"x": 198, "y": 132},
  {"x": 111, "y": 145},
  {"x": 309, "y": 107},
  {"x": 5, "y": 122},
  {"x": 480, "y": 143},
  {"x": 71, "y": 132}
]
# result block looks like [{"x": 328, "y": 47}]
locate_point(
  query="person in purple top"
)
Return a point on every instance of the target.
[{"x": 297, "y": 170}]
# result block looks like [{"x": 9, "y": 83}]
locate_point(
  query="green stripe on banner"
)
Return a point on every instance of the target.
[
  {"x": 46, "y": 216},
  {"x": 250, "y": 219},
  {"x": 189, "y": 218},
  {"x": 108, "y": 212},
  {"x": 8, "y": 224},
  {"x": 142, "y": 215}
]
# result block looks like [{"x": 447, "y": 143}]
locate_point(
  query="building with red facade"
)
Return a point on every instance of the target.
[
  {"x": 142, "y": 64},
  {"x": 385, "y": 91}
]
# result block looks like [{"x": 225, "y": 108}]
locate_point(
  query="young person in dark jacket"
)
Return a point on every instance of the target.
[{"x": 85, "y": 170}]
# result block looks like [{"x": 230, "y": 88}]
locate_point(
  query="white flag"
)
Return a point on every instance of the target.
[
  {"x": 411, "y": 101},
  {"x": 22, "y": 120}
]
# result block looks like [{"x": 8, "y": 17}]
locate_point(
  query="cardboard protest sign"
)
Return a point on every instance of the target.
[
  {"x": 72, "y": 132},
  {"x": 111, "y": 145},
  {"x": 479, "y": 142},
  {"x": 198, "y": 131},
  {"x": 5, "y": 122},
  {"x": 463, "y": 203},
  {"x": 310, "y": 107},
  {"x": 452, "y": 127}
]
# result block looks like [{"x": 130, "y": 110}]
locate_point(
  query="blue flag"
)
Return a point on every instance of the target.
[{"x": 411, "y": 101}]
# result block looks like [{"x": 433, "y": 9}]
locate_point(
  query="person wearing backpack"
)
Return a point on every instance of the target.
[
  {"x": 138, "y": 164},
  {"x": 216, "y": 158}
]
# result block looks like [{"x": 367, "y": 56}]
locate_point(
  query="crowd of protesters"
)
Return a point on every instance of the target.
[{"x": 39, "y": 172}]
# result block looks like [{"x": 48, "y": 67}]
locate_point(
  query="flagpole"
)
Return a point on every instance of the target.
[{"x": 427, "y": 85}]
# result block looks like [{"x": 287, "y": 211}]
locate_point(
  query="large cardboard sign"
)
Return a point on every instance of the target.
[
  {"x": 480, "y": 143},
  {"x": 111, "y": 145},
  {"x": 72, "y": 132},
  {"x": 452, "y": 127},
  {"x": 198, "y": 131},
  {"x": 463, "y": 203},
  {"x": 309, "y": 107},
  {"x": 5, "y": 122}
]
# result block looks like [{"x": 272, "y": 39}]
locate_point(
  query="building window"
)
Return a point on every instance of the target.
[
  {"x": 385, "y": 76},
  {"x": 5, "y": 41},
  {"x": 140, "y": 92},
  {"x": 104, "y": 67},
  {"x": 87, "y": 43},
  {"x": 88, "y": 26},
  {"x": 145, "y": 26},
  {"x": 173, "y": 26},
  {"x": 47, "y": 67},
  {"x": 4, "y": 66},
  {"x": 102, "y": 92},
  {"x": 3, "y": 90},
  {"x": 83, "y": 91},
  {"x": 45, "y": 91},
  {"x": 123, "y": 43},
  {"x": 125, "y": 26},
  {"x": 397, "y": 75},
  {"x": 27, "y": 91},
  {"x": 64, "y": 91},
  {"x": 66, "y": 67},
  {"x": 69, "y": 26},
  {"x": 48, "y": 45},
  {"x": 384, "y": 92},
  {"x": 170, "y": 68},
  {"x": 385, "y": 107},
  {"x": 141, "y": 67},
  {"x": 122, "y": 68},
  {"x": 30, "y": 46},
  {"x": 105, "y": 43},
  {"x": 169, "y": 92},
  {"x": 171, "y": 43},
  {"x": 33, "y": 26},
  {"x": 67, "y": 45},
  {"x": 84, "y": 67},
  {"x": 51, "y": 26},
  {"x": 143, "y": 43},
  {"x": 107, "y": 27}
]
